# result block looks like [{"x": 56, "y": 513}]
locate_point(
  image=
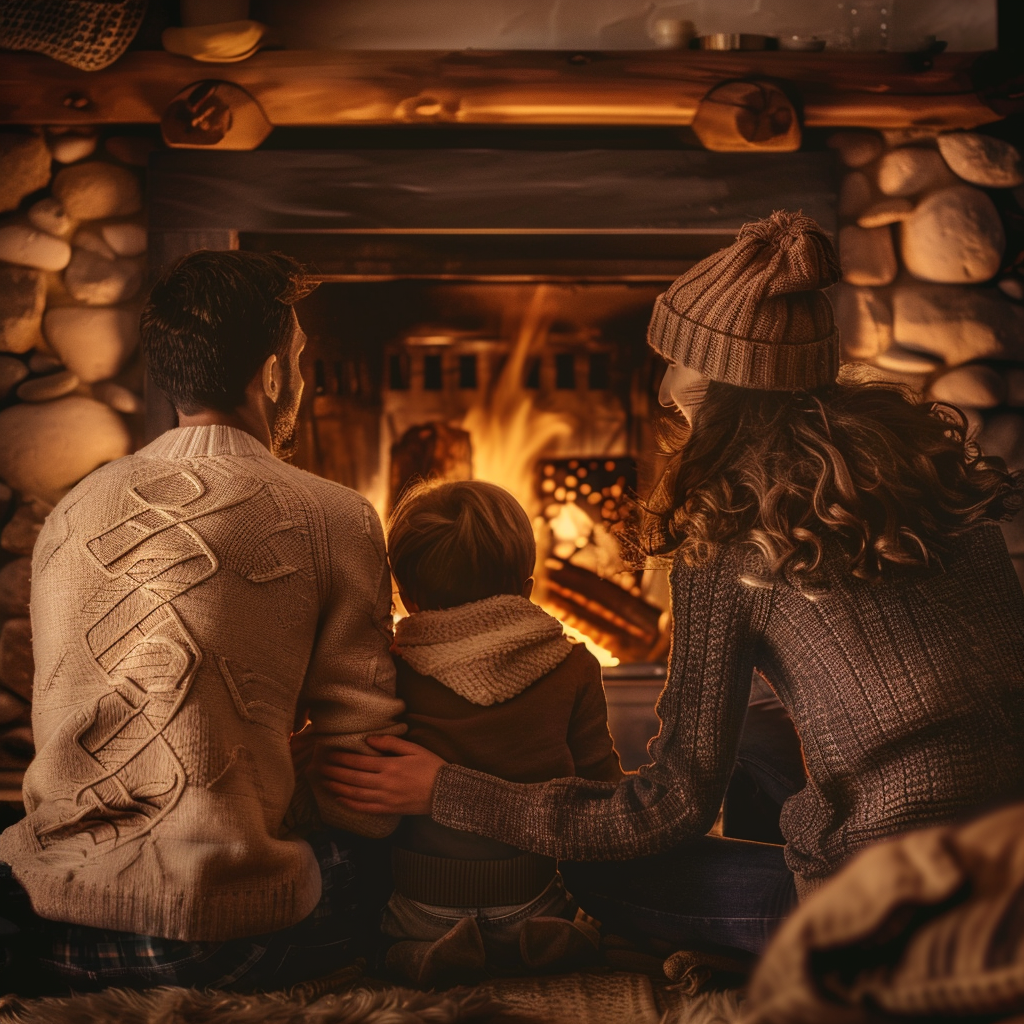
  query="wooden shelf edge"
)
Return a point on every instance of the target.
[{"x": 643, "y": 88}]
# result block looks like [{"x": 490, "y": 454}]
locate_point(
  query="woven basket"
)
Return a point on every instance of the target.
[{"x": 87, "y": 34}]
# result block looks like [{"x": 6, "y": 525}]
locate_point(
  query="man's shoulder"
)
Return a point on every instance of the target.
[{"x": 336, "y": 500}]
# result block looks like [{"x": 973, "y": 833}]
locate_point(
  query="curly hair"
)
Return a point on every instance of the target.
[{"x": 860, "y": 464}]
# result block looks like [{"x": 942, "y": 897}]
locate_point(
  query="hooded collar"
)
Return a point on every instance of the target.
[{"x": 485, "y": 651}]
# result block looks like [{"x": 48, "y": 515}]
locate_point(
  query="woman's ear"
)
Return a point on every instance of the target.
[
  {"x": 272, "y": 378},
  {"x": 528, "y": 588}
]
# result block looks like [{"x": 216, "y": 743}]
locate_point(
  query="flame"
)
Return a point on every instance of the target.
[{"x": 509, "y": 434}]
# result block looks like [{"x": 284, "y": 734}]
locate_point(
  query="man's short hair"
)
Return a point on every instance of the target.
[
  {"x": 213, "y": 320},
  {"x": 461, "y": 541}
]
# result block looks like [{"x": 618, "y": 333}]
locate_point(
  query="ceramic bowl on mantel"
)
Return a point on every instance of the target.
[{"x": 736, "y": 41}]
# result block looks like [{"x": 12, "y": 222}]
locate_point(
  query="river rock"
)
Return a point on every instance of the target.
[
  {"x": 126, "y": 238},
  {"x": 47, "y": 447},
  {"x": 67, "y": 145},
  {"x": 954, "y": 236},
  {"x": 854, "y": 194},
  {"x": 896, "y": 137},
  {"x": 95, "y": 190},
  {"x": 22, "y": 300},
  {"x": 49, "y": 216},
  {"x": 866, "y": 255},
  {"x": 27, "y": 246},
  {"x": 864, "y": 320},
  {"x": 117, "y": 397},
  {"x": 43, "y": 362},
  {"x": 15, "y": 585},
  {"x": 1012, "y": 286},
  {"x": 958, "y": 325},
  {"x": 1015, "y": 386},
  {"x": 885, "y": 211},
  {"x": 43, "y": 389},
  {"x": 13, "y": 709},
  {"x": 975, "y": 385},
  {"x": 92, "y": 241},
  {"x": 20, "y": 534},
  {"x": 24, "y": 168},
  {"x": 911, "y": 171},
  {"x": 903, "y": 360},
  {"x": 12, "y": 373},
  {"x": 99, "y": 281},
  {"x": 982, "y": 160},
  {"x": 856, "y": 148},
  {"x": 1004, "y": 436},
  {"x": 16, "y": 665},
  {"x": 18, "y": 742},
  {"x": 93, "y": 343}
]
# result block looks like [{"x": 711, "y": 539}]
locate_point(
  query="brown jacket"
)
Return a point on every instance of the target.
[{"x": 556, "y": 727}]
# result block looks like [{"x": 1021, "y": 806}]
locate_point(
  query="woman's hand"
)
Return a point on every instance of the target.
[{"x": 401, "y": 784}]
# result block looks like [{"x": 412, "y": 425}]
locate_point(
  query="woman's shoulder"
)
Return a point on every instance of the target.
[{"x": 741, "y": 564}]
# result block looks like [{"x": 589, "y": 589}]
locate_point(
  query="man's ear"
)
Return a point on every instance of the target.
[
  {"x": 528, "y": 588},
  {"x": 271, "y": 377}
]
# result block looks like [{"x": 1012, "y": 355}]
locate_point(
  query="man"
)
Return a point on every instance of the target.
[{"x": 192, "y": 604}]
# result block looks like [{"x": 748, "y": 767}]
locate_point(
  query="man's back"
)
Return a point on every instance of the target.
[{"x": 188, "y": 602}]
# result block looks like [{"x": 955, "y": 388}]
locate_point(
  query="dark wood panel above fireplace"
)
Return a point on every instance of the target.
[{"x": 484, "y": 190}]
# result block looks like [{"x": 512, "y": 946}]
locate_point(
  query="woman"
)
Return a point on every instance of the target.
[{"x": 838, "y": 538}]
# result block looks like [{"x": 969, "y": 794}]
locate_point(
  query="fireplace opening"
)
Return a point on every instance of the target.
[
  {"x": 482, "y": 314},
  {"x": 545, "y": 388}
]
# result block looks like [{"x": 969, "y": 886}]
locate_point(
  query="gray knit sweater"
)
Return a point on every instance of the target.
[{"x": 908, "y": 697}]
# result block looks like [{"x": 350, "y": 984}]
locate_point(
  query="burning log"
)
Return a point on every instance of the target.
[{"x": 624, "y": 623}]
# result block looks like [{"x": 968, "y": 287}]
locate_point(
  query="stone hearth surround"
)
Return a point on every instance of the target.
[{"x": 930, "y": 297}]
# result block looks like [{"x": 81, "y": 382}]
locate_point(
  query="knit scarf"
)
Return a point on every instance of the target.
[{"x": 486, "y": 651}]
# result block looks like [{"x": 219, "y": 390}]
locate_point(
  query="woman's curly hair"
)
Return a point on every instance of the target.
[{"x": 862, "y": 464}]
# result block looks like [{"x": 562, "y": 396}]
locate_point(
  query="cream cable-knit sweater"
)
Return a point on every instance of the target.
[
  {"x": 486, "y": 651},
  {"x": 188, "y": 602}
]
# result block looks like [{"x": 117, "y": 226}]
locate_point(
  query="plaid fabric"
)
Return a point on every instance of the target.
[{"x": 89, "y": 959}]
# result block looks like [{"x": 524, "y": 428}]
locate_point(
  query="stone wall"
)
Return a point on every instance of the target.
[
  {"x": 72, "y": 263},
  {"x": 931, "y": 228}
]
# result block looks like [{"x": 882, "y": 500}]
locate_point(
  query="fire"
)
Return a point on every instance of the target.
[{"x": 509, "y": 434}]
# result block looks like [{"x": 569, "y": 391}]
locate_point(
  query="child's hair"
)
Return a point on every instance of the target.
[{"x": 461, "y": 541}]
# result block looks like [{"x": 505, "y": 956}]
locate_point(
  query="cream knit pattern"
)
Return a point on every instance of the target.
[
  {"x": 188, "y": 602},
  {"x": 486, "y": 651}
]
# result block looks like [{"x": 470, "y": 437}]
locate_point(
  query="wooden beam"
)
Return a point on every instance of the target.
[{"x": 653, "y": 88}]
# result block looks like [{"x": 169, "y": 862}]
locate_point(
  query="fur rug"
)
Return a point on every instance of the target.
[
  {"x": 190, "y": 1006},
  {"x": 615, "y": 998}
]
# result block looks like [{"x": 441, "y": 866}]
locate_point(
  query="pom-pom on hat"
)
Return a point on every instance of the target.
[{"x": 754, "y": 314}]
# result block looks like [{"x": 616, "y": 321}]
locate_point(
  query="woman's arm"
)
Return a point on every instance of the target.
[{"x": 718, "y": 622}]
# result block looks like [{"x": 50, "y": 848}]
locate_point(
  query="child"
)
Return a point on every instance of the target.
[{"x": 491, "y": 683}]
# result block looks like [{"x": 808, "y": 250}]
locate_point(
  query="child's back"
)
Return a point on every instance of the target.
[{"x": 489, "y": 683}]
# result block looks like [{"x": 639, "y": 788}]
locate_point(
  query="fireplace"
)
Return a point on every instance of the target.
[{"x": 482, "y": 314}]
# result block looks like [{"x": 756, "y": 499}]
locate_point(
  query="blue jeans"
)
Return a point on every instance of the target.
[
  {"x": 342, "y": 926},
  {"x": 711, "y": 891}
]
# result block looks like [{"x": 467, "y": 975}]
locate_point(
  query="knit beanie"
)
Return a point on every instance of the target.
[{"x": 754, "y": 314}]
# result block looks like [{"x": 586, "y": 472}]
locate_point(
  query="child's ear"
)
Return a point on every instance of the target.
[
  {"x": 528, "y": 588},
  {"x": 408, "y": 603}
]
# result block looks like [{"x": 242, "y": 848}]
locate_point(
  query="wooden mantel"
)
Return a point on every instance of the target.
[{"x": 651, "y": 88}]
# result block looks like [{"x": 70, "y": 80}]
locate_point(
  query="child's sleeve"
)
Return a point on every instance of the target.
[{"x": 589, "y": 739}]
